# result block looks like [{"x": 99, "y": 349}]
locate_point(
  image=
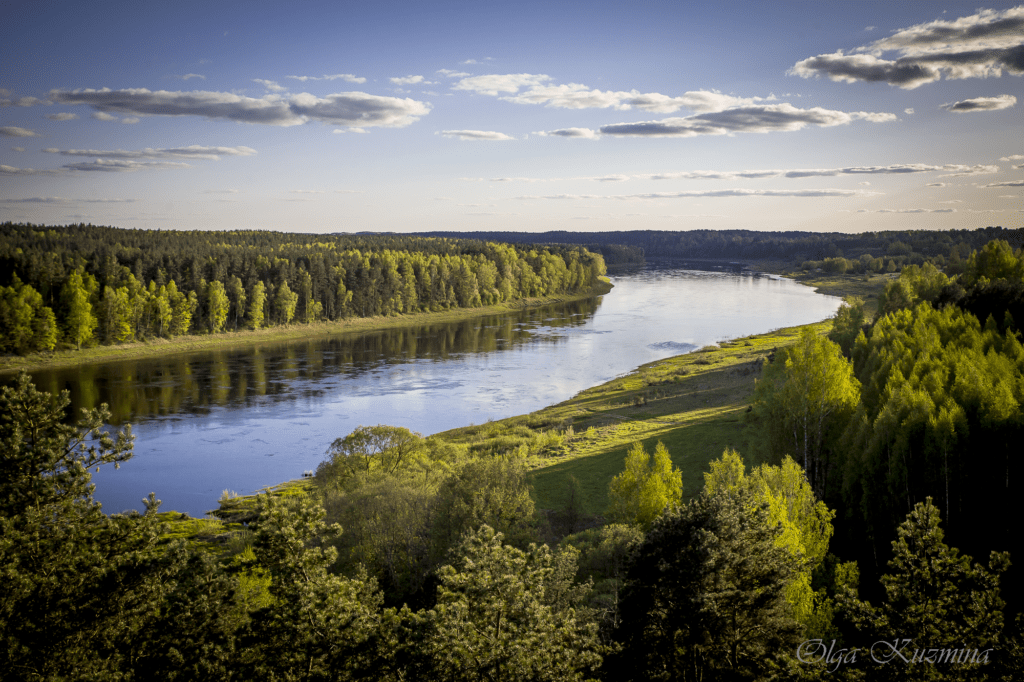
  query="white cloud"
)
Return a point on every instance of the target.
[
  {"x": 1013, "y": 157},
  {"x": 476, "y": 135},
  {"x": 62, "y": 200},
  {"x": 272, "y": 86},
  {"x": 406, "y": 80},
  {"x": 21, "y": 101},
  {"x": 123, "y": 166},
  {"x": 355, "y": 109},
  {"x": 18, "y": 149},
  {"x": 908, "y": 112},
  {"x": 964, "y": 171},
  {"x": 981, "y": 104},
  {"x": 892, "y": 169},
  {"x": 912, "y": 210},
  {"x": 189, "y": 76},
  {"x": 719, "y": 193},
  {"x": 131, "y": 120},
  {"x": 952, "y": 201},
  {"x": 63, "y": 116},
  {"x": 584, "y": 133},
  {"x": 578, "y": 96},
  {"x": 15, "y": 131},
  {"x": 985, "y": 210},
  {"x": 1011, "y": 183},
  {"x": 753, "y": 119},
  {"x": 347, "y": 77},
  {"x": 496, "y": 84},
  {"x": 450, "y": 73},
  {"x": 103, "y": 116},
  {"x": 191, "y": 152},
  {"x": 11, "y": 171},
  {"x": 977, "y": 46}
]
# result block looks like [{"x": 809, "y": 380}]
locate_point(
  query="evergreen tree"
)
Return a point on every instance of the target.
[
  {"x": 77, "y": 587},
  {"x": 704, "y": 596},
  {"x": 506, "y": 614}
]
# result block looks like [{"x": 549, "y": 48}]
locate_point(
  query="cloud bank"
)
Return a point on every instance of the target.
[
  {"x": 753, "y": 119},
  {"x": 354, "y": 109},
  {"x": 191, "y": 152},
  {"x": 977, "y": 46},
  {"x": 538, "y": 90}
]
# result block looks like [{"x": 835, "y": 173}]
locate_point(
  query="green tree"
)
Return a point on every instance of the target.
[
  {"x": 507, "y": 614},
  {"x": 77, "y": 587},
  {"x": 285, "y": 301},
  {"x": 493, "y": 492},
  {"x": 807, "y": 393},
  {"x": 258, "y": 300},
  {"x": 847, "y": 324},
  {"x": 236, "y": 292},
  {"x": 80, "y": 322},
  {"x": 217, "y": 306},
  {"x": 320, "y": 625},
  {"x": 182, "y": 309},
  {"x": 705, "y": 595},
  {"x": 384, "y": 449},
  {"x": 934, "y": 598},
  {"x": 646, "y": 487}
]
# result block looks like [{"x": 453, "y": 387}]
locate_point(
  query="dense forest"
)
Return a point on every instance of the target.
[
  {"x": 873, "y": 540},
  {"x": 833, "y": 251},
  {"x": 81, "y": 284}
]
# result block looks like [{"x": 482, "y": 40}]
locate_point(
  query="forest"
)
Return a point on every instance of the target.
[
  {"x": 868, "y": 535},
  {"x": 833, "y": 251},
  {"x": 78, "y": 285}
]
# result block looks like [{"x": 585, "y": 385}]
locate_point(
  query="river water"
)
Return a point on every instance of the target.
[{"x": 246, "y": 418}]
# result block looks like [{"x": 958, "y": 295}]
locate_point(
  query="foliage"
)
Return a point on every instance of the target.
[
  {"x": 320, "y": 626},
  {"x": 804, "y": 521},
  {"x": 142, "y": 283},
  {"x": 647, "y": 486},
  {"x": 935, "y": 598},
  {"x": 705, "y": 595},
  {"x": 80, "y": 591},
  {"x": 805, "y": 395},
  {"x": 507, "y": 614}
]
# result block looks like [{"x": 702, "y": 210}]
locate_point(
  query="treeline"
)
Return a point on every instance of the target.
[
  {"x": 82, "y": 284},
  {"x": 810, "y": 249},
  {"x": 437, "y": 574},
  {"x": 926, "y": 401}
]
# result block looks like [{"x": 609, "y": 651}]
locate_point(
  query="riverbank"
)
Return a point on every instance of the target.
[
  {"x": 248, "y": 337},
  {"x": 696, "y": 403}
]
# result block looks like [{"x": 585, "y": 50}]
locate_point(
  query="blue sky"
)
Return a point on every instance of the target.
[{"x": 327, "y": 117}]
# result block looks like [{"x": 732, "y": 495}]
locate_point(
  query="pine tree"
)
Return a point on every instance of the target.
[{"x": 704, "y": 596}]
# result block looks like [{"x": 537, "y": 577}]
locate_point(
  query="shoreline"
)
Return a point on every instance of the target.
[
  {"x": 731, "y": 356},
  {"x": 249, "y": 337}
]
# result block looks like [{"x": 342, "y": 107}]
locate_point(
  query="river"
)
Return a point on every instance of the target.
[{"x": 246, "y": 418}]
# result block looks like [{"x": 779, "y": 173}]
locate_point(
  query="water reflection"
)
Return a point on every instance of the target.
[
  {"x": 138, "y": 390},
  {"x": 253, "y": 416}
]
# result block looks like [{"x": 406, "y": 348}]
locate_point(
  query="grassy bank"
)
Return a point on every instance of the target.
[
  {"x": 243, "y": 338},
  {"x": 696, "y": 404}
]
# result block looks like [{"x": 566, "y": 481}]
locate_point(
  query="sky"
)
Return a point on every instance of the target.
[{"x": 415, "y": 116}]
